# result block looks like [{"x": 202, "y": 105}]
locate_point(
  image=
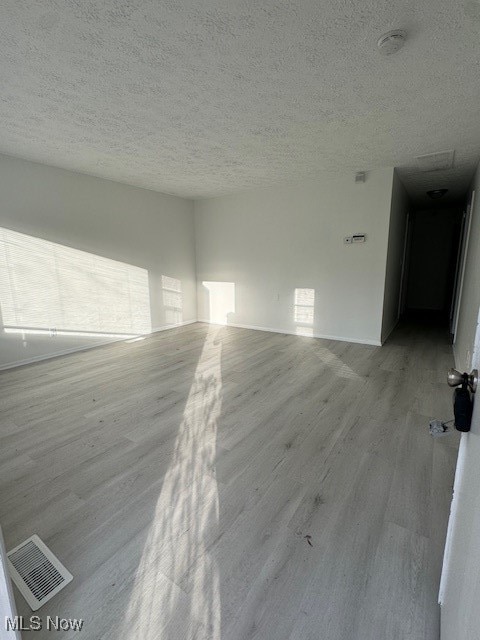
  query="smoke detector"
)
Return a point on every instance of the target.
[{"x": 392, "y": 41}]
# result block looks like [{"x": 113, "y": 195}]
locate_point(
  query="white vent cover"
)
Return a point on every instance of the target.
[
  {"x": 435, "y": 161},
  {"x": 37, "y": 573}
]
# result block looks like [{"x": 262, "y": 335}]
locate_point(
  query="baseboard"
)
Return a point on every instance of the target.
[
  {"x": 375, "y": 343},
  {"x": 66, "y": 352},
  {"x": 173, "y": 326}
]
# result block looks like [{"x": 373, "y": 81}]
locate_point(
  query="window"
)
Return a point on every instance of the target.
[{"x": 50, "y": 288}]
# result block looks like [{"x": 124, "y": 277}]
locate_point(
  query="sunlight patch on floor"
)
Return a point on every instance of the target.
[
  {"x": 340, "y": 369},
  {"x": 176, "y": 550}
]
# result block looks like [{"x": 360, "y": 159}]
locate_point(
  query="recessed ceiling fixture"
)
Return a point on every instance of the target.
[
  {"x": 392, "y": 41},
  {"x": 434, "y": 194}
]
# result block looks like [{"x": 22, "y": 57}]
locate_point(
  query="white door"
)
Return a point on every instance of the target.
[{"x": 460, "y": 586}]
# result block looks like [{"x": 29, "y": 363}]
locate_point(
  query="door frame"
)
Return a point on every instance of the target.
[
  {"x": 461, "y": 265},
  {"x": 402, "y": 296}
]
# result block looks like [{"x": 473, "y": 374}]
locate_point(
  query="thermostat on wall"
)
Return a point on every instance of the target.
[{"x": 355, "y": 239}]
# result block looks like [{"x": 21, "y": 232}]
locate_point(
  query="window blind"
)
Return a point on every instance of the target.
[{"x": 48, "y": 286}]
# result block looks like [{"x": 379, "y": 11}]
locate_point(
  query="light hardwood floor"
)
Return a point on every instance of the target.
[{"x": 215, "y": 483}]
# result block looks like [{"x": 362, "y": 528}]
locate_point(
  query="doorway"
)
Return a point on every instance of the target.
[{"x": 432, "y": 258}]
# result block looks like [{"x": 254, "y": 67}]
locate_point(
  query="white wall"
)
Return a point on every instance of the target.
[
  {"x": 263, "y": 253},
  {"x": 396, "y": 244},
  {"x": 460, "y": 581},
  {"x": 133, "y": 226}
]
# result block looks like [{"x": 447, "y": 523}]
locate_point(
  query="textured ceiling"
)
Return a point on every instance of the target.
[{"x": 200, "y": 98}]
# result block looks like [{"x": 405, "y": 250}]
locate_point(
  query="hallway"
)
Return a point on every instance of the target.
[{"x": 236, "y": 484}]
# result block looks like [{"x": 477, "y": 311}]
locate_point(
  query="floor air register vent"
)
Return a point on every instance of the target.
[{"x": 37, "y": 573}]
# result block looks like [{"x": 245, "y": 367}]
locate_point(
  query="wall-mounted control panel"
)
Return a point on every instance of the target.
[{"x": 357, "y": 238}]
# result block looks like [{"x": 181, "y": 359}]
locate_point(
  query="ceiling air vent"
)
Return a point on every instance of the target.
[
  {"x": 435, "y": 161},
  {"x": 37, "y": 573}
]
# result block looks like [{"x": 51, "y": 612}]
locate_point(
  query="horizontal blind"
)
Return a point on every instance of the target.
[{"x": 44, "y": 285}]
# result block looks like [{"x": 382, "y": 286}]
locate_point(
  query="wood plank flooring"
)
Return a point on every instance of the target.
[{"x": 216, "y": 483}]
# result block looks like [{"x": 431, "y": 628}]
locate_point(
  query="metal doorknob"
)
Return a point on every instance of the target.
[{"x": 455, "y": 378}]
